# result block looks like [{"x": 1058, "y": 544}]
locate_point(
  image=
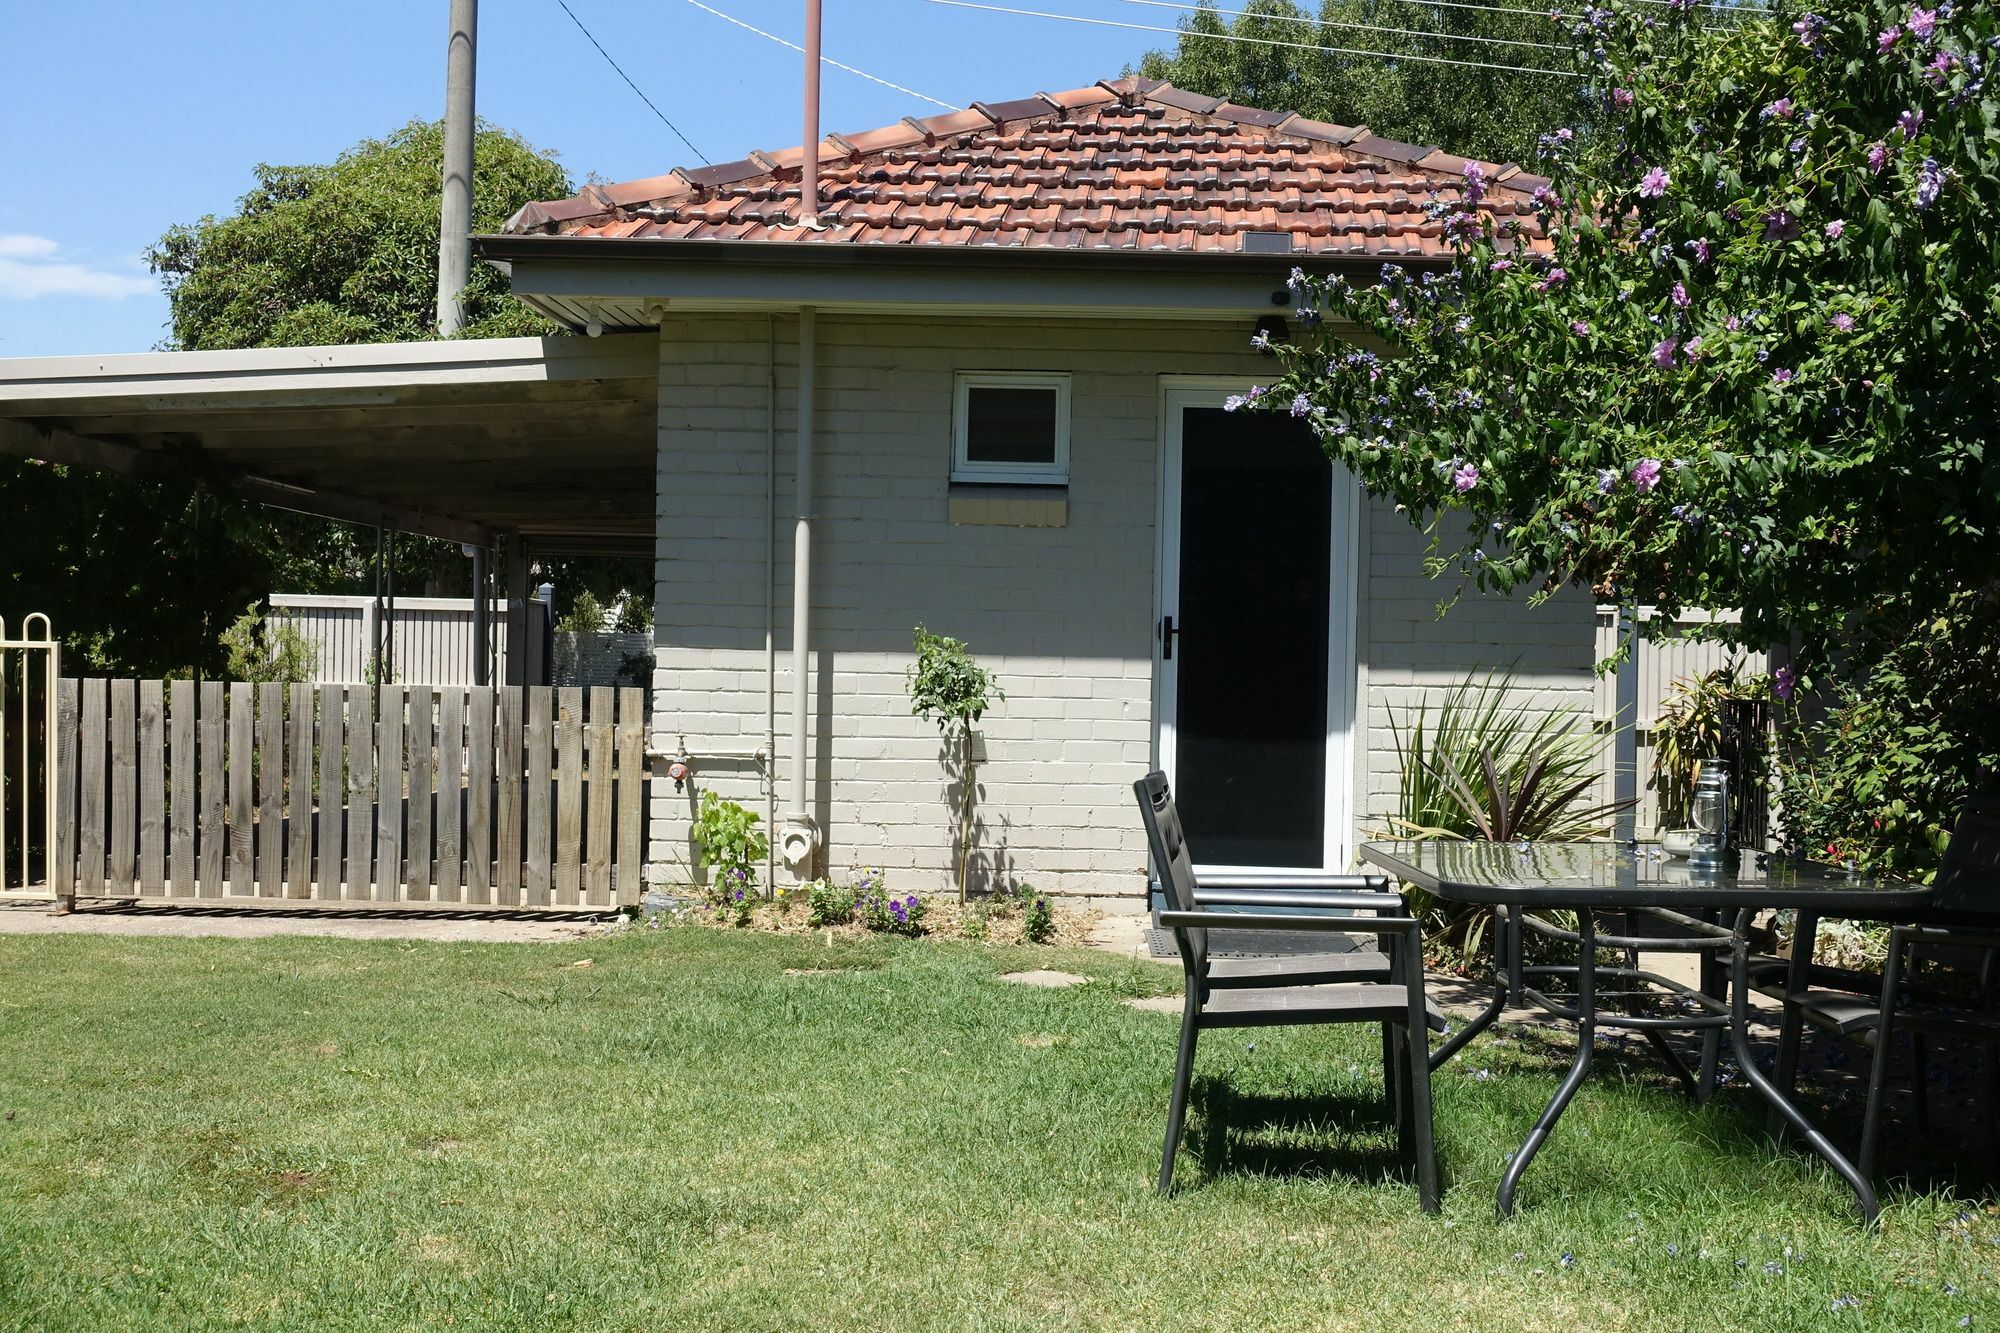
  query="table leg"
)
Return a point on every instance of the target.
[
  {"x": 1586, "y": 987},
  {"x": 1502, "y": 972},
  {"x": 1714, "y": 977},
  {"x": 1739, "y": 1040}
]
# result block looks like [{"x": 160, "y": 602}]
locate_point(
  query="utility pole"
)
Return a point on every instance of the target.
[
  {"x": 455, "y": 216},
  {"x": 809, "y": 163}
]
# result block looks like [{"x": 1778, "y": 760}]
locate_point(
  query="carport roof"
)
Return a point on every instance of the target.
[{"x": 550, "y": 437}]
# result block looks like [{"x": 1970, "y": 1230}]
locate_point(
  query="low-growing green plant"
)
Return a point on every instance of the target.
[
  {"x": 1488, "y": 765},
  {"x": 885, "y": 912},
  {"x": 1038, "y": 925},
  {"x": 729, "y": 845},
  {"x": 828, "y": 904}
]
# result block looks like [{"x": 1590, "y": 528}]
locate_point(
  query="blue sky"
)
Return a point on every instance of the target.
[{"x": 124, "y": 118}]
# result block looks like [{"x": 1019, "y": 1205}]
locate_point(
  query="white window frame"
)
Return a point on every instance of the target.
[{"x": 1019, "y": 474}]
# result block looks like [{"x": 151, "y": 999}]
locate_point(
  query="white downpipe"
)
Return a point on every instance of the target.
[
  {"x": 770, "y": 597},
  {"x": 800, "y": 838}
]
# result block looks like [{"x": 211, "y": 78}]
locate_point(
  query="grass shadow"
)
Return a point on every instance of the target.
[{"x": 1292, "y": 1137}]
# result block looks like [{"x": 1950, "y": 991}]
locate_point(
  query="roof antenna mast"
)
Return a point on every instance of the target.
[
  {"x": 809, "y": 161},
  {"x": 455, "y": 212}
]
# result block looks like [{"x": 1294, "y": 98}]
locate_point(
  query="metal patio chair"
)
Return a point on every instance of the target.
[
  {"x": 1959, "y": 935},
  {"x": 1384, "y": 986}
]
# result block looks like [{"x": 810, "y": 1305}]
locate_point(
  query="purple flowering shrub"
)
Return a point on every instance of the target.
[
  {"x": 1737, "y": 352},
  {"x": 885, "y": 912}
]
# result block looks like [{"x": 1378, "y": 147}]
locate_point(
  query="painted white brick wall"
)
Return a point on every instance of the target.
[{"x": 1063, "y": 615}]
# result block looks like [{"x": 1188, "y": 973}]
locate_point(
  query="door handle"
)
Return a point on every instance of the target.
[{"x": 1167, "y": 632}]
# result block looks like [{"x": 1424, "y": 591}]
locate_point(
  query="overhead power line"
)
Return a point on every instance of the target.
[
  {"x": 1523, "y": 11},
  {"x": 1260, "y": 41},
  {"x": 1360, "y": 27},
  {"x": 628, "y": 79},
  {"x": 824, "y": 60}
]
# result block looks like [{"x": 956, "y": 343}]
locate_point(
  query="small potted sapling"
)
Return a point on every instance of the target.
[{"x": 947, "y": 687}]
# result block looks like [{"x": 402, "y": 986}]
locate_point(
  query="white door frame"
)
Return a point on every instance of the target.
[{"x": 1178, "y": 392}]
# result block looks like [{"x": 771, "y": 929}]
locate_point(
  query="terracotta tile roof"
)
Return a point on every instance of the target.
[{"x": 1130, "y": 164}]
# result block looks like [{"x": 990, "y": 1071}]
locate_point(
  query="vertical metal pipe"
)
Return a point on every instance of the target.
[
  {"x": 770, "y": 596},
  {"x": 1625, "y": 749},
  {"x": 481, "y": 606},
  {"x": 517, "y": 609},
  {"x": 809, "y": 163},
  {"x": 802, "y": 560},
  {"x": 455, "y": 212}
]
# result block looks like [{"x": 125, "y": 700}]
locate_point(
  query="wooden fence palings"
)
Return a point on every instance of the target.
[
  {"x": 631, "y": 794},
  {"x": 410, "y": 795},
  {"x": 507, "y": 815},
  {"x": 331, "y": 746},
  {"x": 242, "y": 797},
  {"x": 389, "y": 794},
  {"x": 212, "y": 765},
  {"x": 569, "y": 796},
  {"x": 152, "y": 782},
  {"x": 62, "y": 839},
  {"x": 271, "y": 790},
  {"x": 419, "y": 737},
  {"x": 600, "y": 733},
  {"x": 181, "y": 794},
  {"x": 90, "y": 877},
  {"x": 122, "y": 871},
  {"x": 536, "y": 737},
  {"x": 298, "y": 796},
  {"x": 480, "y": 745},
  {"x": 448, "y": 878},
  {"x": 357, "y": 819}
]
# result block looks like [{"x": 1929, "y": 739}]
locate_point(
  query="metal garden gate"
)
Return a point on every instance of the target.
[{"x": 28, "y": 674}]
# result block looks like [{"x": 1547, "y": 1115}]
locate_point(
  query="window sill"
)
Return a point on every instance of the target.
[{"x": 1008, "y": 506}]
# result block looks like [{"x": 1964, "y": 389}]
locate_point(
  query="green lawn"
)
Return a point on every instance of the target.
[{"x": 315, "y": 1134}]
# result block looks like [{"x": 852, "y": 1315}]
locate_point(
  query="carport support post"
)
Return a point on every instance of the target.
[
  {"x": 517, "y": 609},
  {"x": 482, "y": 605}
]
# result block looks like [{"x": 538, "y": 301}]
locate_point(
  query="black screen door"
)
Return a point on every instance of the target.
[{"x": 1248, "y": 648}]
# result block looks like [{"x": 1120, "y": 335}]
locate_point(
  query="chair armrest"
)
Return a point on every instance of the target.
[
  {"x": 1965, "y": 936},
  {"x": 1350, "y": 902},
  {"x": 1300, "y": 883},
  {"x": 1259, "y": 921}
]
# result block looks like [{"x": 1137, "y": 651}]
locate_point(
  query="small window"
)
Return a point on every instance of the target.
[{"x": 1011, "y": 428}]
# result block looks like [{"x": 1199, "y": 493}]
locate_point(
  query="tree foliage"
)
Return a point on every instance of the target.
[
  {"x": 1751, "y": 367},
  {"x": 1489, "y": 113},
  {"x": 347, "y": 252},
  {"x": 1741, "y": 357},
  {"x": 142, "y": 577}
]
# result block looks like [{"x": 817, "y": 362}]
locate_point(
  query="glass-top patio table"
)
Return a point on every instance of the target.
[{"x": 1631, "y": 898}]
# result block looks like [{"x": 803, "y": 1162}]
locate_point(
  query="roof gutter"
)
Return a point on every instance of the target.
[{"x": 507, "y": 250}]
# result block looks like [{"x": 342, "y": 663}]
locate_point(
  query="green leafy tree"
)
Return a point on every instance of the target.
[
  {"x": 142, "y": 577},
  {"x": 1495, "y": 114},
  {"x": 346, "y": 252},
  {"x": 1740, "y": 358},
  {"x": 948, "y": 687},
  {"x": 267, "y": 649}
]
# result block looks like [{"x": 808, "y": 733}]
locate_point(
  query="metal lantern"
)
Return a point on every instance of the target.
[{"x": 1709, "y": 813}]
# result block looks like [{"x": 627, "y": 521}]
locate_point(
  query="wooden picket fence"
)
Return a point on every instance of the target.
[{"x": 404, "y": 794}]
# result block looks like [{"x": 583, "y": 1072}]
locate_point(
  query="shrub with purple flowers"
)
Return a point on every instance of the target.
[
  {"x": 1778, "y": 270},
  {"x": 888, "y": 913}
]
